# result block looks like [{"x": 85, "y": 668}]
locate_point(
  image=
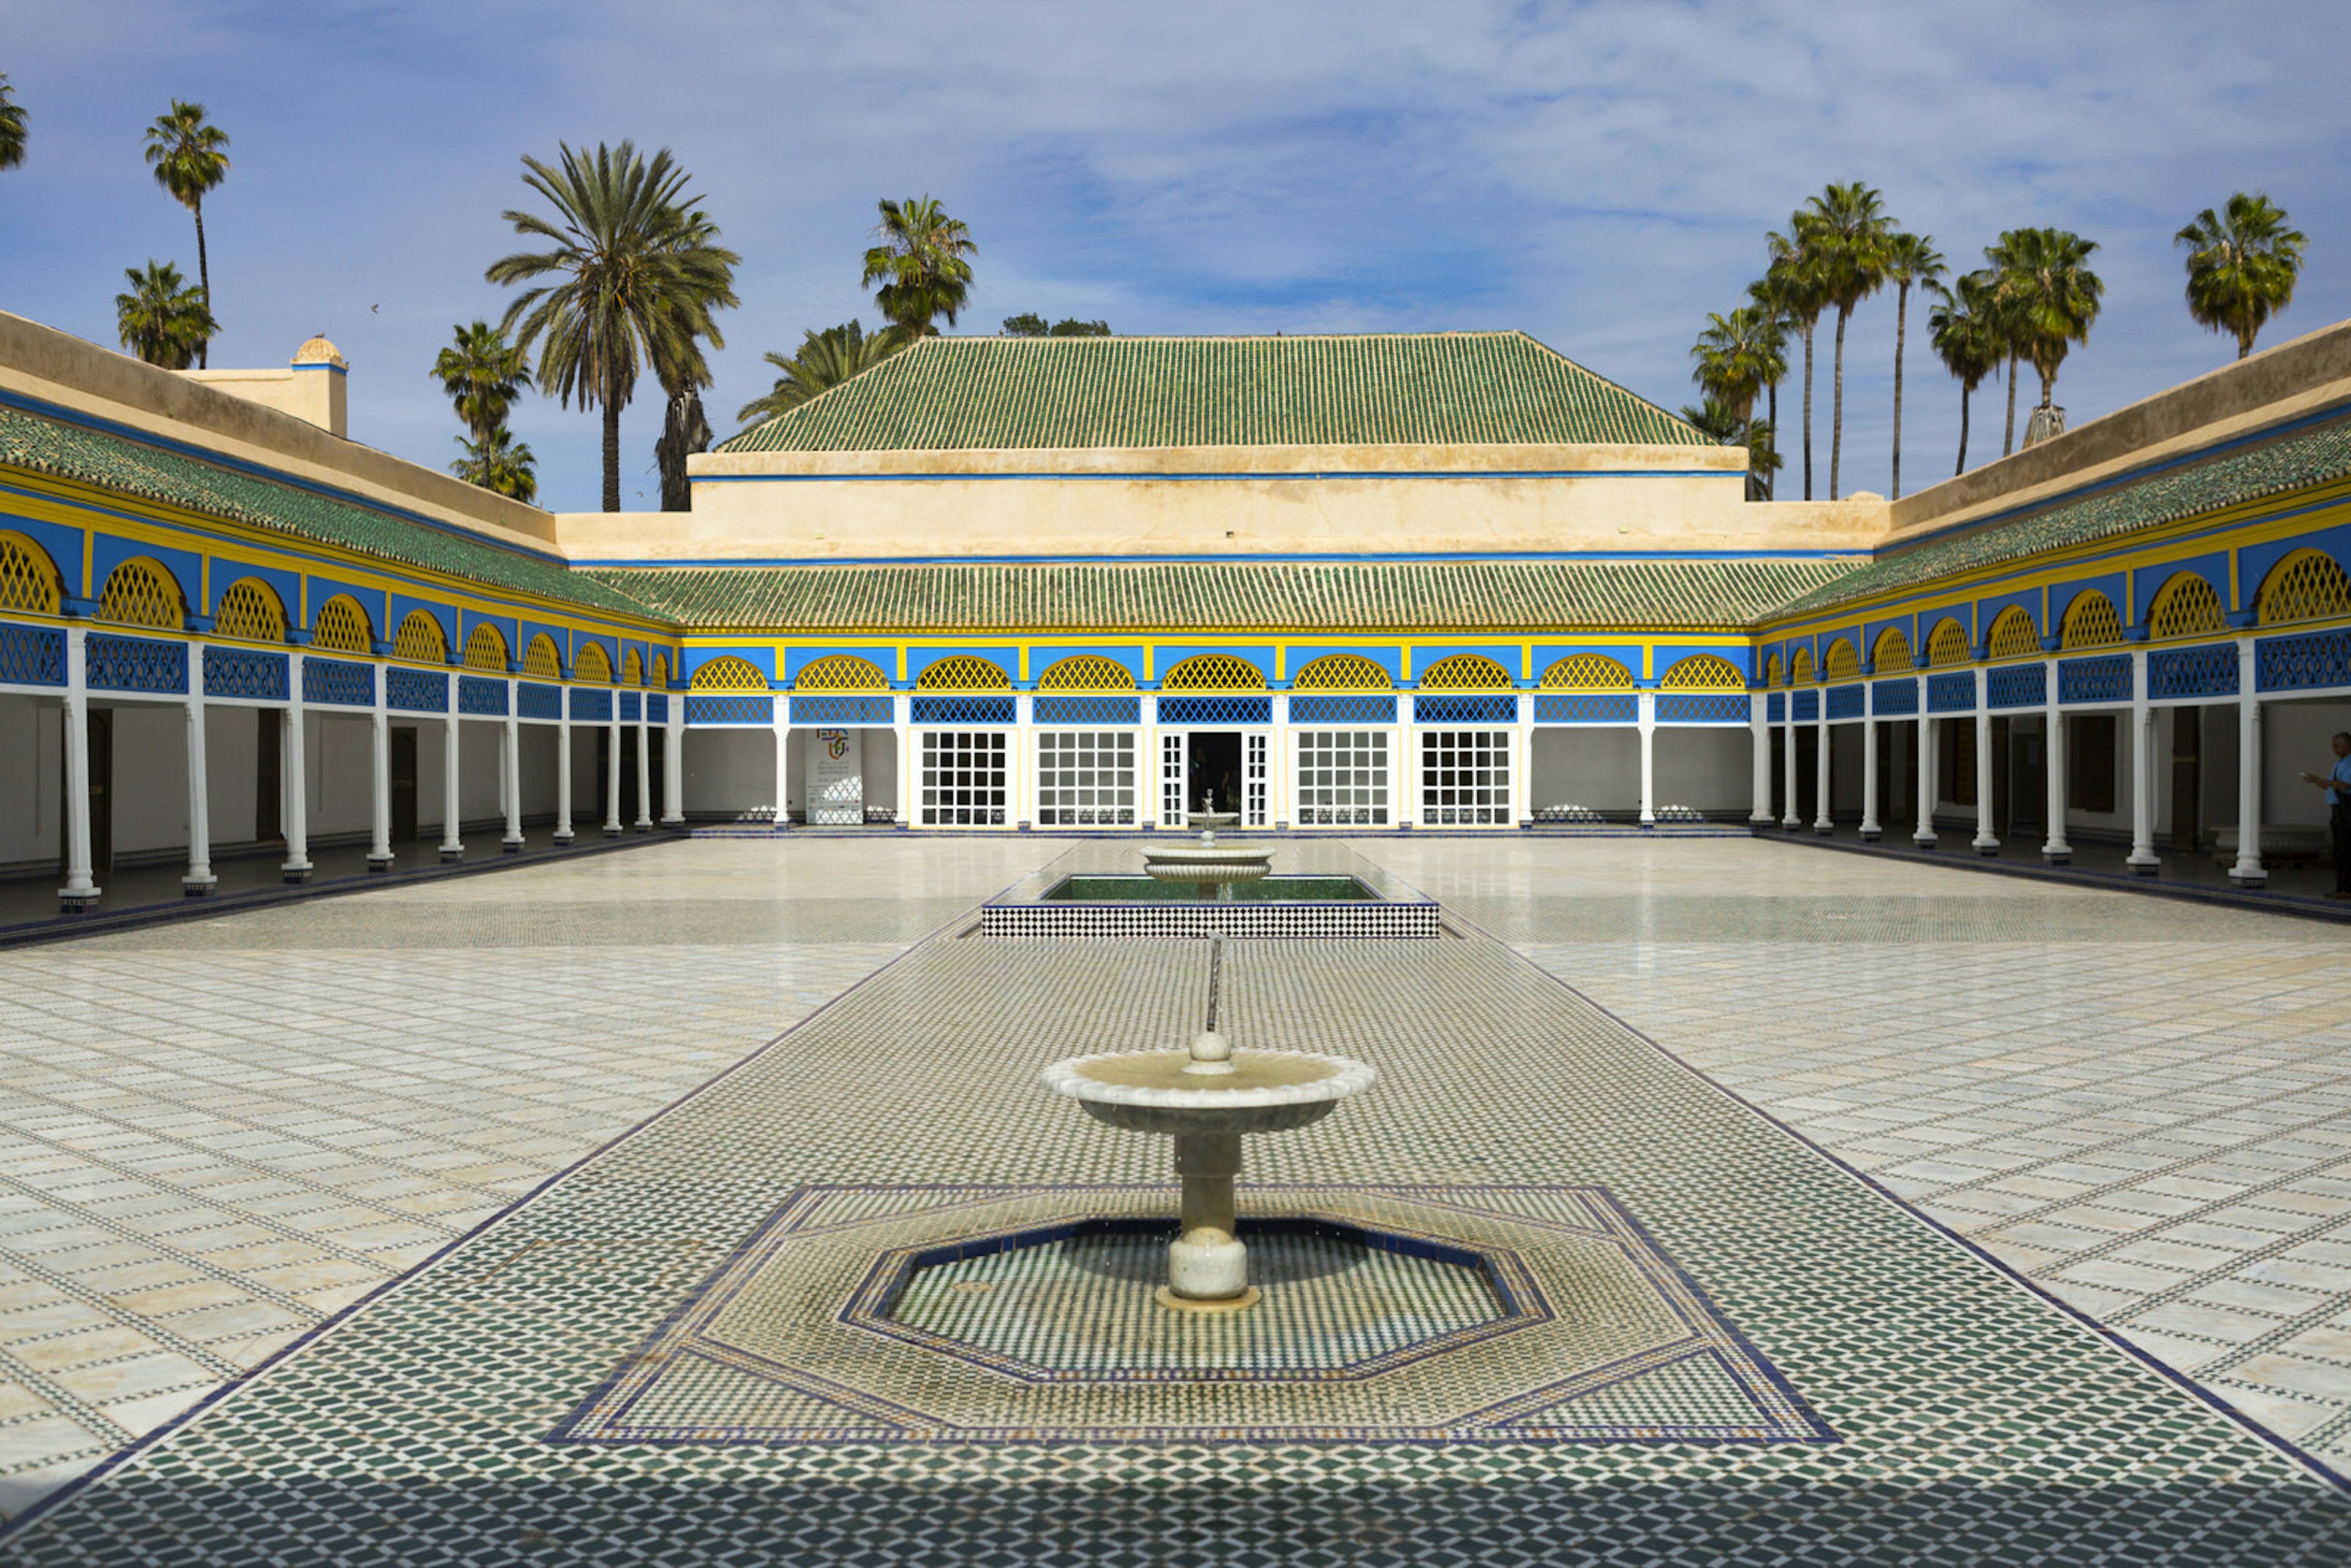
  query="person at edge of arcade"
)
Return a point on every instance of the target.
[{"x": 2337, "y": 782}]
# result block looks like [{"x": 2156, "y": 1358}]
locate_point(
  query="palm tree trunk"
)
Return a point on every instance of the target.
[
  {"x": 1901, "y": 327},
  {"x": 1808, "y": 411},
  {"x": 2244, "y": 344},
  {"x": 2008, "y": 442},
  {"x": 1837, "y": 402},
  {"x": 1772, "y": 483},
  {"x": 611, "y": 453},
  {"x": 1962, "y": 466},
  {"x": 204, "y": 280}
]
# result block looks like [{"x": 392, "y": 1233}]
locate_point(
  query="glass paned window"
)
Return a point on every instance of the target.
[
  {"x": 1465, "y": 777},
  {"x": 1343, "y": 778},
  {"x": 1085, "y": 779},
  {"x": 962, "y": 778}
]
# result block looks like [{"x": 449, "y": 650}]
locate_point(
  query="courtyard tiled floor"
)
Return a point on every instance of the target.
[{"x": 215, "y": 1134}]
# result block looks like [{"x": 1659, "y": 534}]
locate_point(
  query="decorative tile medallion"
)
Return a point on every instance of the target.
[{"x": 996, "y": 1314}]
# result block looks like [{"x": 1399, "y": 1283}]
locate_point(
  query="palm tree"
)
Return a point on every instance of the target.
[
  {"x": 2241, "y": 268},
  {"x": 12, "y": 126},
  {"x": 2002, "y": 317},
  {"x": 1846, "y": 227},
  {"x": 1724, "y": 421},
  {"x": 1794, "y": 284},
  {"x": 2053, "y": 294},
  {"x": 1910, "y": 259},
  {"x": 921, "y": 265},
  {"x": 825, "y": 359},
  {"x": 1764, "y": 295},
  {"x": 1738, "y": 355},
  {"x": 640, "y": 277},
  {"x": 1969, "y": 338},
  {"x": 496, "y": 460},
  {"x": 683, "y": 370},
  {"x": 190, "y": 158},
  {"x": 162, "y": 319},
  {"x": 483, "y": 374}
]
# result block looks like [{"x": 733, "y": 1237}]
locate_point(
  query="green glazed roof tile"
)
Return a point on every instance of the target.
[
  {"x": 157, "y": 474},
  {"x": 1432, "y": 388},
  {"x": 1723, "y": 595}
]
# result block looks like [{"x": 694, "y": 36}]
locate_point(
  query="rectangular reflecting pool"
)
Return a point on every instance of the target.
[
  {"x": 1320, "y": 891},
  {"x": 1127, "y": 888}
]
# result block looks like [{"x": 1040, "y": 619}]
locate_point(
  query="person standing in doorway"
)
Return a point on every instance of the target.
[{"x": 2337, "y": 782}]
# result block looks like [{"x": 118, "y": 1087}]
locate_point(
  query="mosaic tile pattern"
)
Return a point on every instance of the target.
[{"x": 1977, "y": 1419}]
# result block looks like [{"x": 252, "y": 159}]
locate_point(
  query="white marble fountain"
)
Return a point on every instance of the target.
[
  {"x": 1208, "y": 1098},
  {"x": 1211, "y": 867}
]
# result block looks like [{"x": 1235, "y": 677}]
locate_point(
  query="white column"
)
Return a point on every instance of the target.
[
  {"x": 1987, "y": 842},
  {"x": 199, "y": 880},
  {"x": 1146, "y": 746},
  {"x": 2054, "y": 849},
  {"x": 1278, "y": 793},
  {"x": 644, "y": 822},
  {"x": 452, "y": 847},
  {"x": 1759, "y": 783},
  {"x": 1793, "y": 817},
  {"x": 510, "y": 772},
  {"x": 2142, "y": 859},
  {"x": 1646, "y": 713},
  {"x": 563, "y": 834},
  {"x": 294, "y": 785},
  {"x": 612, "y": 765},
  {"x": 1024, "y": 749},
  {"x": 673, "y": 762},
  {"x": 1924, "y": 835},
  {"x": 79, "y": 891},
  {"x": 380, "y": 780},
  {"x": 902, "y": 713},
  {"x": 1523, "y": 762},
  {"x": 781, "y": 722},
  {"x": 1870, "y": 832},
  {"x": 1405, "y": 796},
  {"x": 1822, "y": 823},
  {"x": 2248, "y": 872}
]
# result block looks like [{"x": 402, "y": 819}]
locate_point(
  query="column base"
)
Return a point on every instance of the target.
[
  {"x": 1986, "y": 846},
  {"x": 2056, "y": 857},
  {"x": 1927, "y": 841},
  {"x": 610, "y": 831},
  {"x": 2248, "y": 876},
  {"x": 677, "y": 822},
  {"x": 510, "y": 846},
  {"x": 77, "y": 900},
  {"x": 198, "y": 887},
  {"x": 2147, "y": 867},
  {"x": 1871, "y": 835},
  {"x": 1823, "y": 829},
  {"x": 562, "y": 838},
  {"x": 642, "y": 827},
  {"x": 295, "y": 873},
  {"x": 452, "y": 853}
]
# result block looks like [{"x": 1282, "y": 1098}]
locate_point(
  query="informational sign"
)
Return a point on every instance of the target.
[{"x": 836, "y": 778}]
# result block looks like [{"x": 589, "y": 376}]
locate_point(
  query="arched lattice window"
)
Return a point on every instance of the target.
[
  {"x": 250, "y": 610},
  {"x": 2307, "y": 585},
  {"x": 28, "y": 580},
  {"x": 421, "y": 639},
  {"x": 840, "y": 673},
  {"x": 486, "y": 649},
  {"x": 1587, "y": 672},
  {"x": 1703, "y": 673},
  {"x": 1947, "y": 644},
  {"x": 341, "y": 627},
  {"x": 1892, "y": 652},
  {"x": 661, "y": 671},
  {"x": 730, "y": 674},
  {"x": 963, "y": 672},
  {"x": 1465, "y": 673},
  {"x": 2090, "y": 621},
  {"x": 2013, "y": 635},
  {"x": 632, "y": 669},
  {"x": 540, "y": 659},
  {"x": 1772, "y": 669},
  {"x": 141, "y": 593},
  {"x": 1340, "y": 673},
  {"x": 1800, "y": 672},
  {"x": 2186, "y": 607},
  {"x": 1086, "y": 673},
  {"x": 1214, "y": 672},
  {"x": 1844, "y": 664},
  {"x": 589, "y": 663}
]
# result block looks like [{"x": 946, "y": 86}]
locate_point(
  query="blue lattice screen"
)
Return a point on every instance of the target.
[
  {"x": 633, "y": 706},
  {"x": 2207, "y": 672},
  {"x": 536, "y": 699},
  {"x": 592, "y": 705},
  {"x": 2299, "y": 663},
  {"x": 1844, "y": 701},
  {"x": 963, "y": 710},
  {"x": 1893, "y": 698},
  {"x": 1702, "y": 707},
  {"x": 32, "y": 655},
  {"x": 1492, "y": 707},
  {"x": 1951, "y": 692},
  {"x": 657, "y": 707},
  {"x": 481, "y": 696},
  {"x": 844, "y": 708},
  {"x": 246, "y": 673},
  {"x": 1086, "y": 710},
  {"x": 1215, "y": 710},
  {"x": 1808, "y": 706},
  {"x": 1576, "y": 708},
  {"x": 136, "y": 663},
  {"x": 2105, "y": 679},
  {"x": 416, "y": 691},
  {"x": 343, "y": 683},
  {"x": 1348, "y": 707},
  {"x": 2017, "y": 685},
  {"x": 729, "y": 707},
  {"x": 1775, "y": 709}
]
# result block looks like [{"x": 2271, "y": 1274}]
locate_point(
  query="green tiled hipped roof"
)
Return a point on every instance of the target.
[
  {"x": 1433, "y": 388},
  {"x": 1296, "y": 596},
  {"x": 2309, "y": 458},
  {"x": 117, "y": 463}
]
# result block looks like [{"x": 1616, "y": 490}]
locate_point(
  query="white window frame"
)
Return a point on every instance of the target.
[
  {"x": 930, "y": 745},
  {"x": 1063, "y": 750},
  {"x": 1320, "y": 755},
  {"x": 1493, "y": 750}
]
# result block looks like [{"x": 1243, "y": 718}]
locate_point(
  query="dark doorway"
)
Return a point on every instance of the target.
[
  {"x": 2002, "y": 797},
  {"x": 2187, "y": 777},
  {"x": 101, "y": 799},
  {"x": 1897, "y": 745},
  {"x": 268, "y": 775},
  {"x": 1214, "y": 769},
  {"x": 1779, "y": 774},
  {"x": 403, "y": 785},
  {"x": 1807, "y": 803},
  {"x": 2028, "y": 778},
  {"x": 628, "y": 773},
  {"x": 657, "y": 768}
]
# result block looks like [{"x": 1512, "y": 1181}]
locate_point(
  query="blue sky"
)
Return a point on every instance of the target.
[{"x": 1600, "y": 176}]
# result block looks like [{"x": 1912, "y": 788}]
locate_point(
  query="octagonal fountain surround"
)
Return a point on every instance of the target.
[{"x": 1208, "y": 1098}]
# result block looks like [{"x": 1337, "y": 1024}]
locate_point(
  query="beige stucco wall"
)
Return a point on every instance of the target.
[
  {"x": 1212, "y": 501},
  {"x": 313, "y": 393}
]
